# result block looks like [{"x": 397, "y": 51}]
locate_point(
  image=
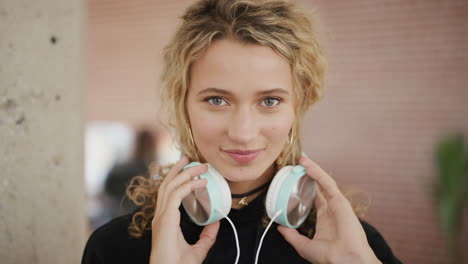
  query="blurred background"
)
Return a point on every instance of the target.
[{"x": 78, "y": 85}]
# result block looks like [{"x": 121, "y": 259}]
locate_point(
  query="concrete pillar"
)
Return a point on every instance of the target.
[{"x": 42, "y": 216}]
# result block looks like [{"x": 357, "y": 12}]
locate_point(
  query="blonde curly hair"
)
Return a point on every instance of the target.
[{"x": 278, "y": 24}]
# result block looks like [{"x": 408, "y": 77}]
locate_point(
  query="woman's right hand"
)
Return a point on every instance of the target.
[{"x": 168, "y": 243}]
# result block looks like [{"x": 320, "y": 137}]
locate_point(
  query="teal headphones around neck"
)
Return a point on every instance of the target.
[{"x": 289, "y": 198}]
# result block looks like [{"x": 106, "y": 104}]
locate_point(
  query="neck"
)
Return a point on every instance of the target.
[{"x": 246, "y": 186}]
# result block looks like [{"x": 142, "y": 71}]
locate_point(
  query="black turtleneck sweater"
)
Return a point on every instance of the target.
[{"x": 111, "y": 243}]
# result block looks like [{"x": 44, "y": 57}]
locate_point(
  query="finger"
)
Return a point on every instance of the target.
[
  {"x": 337, "y": 205},
  {"x": 172, "y": 172},
  {"x": 308, "y": 249},
  {"x": 170, "y": 210},
  {"x": 335, "y": 201},
  {"x": 326, "y": 225},
  {"x": 176, "y": 196},
  {"x": 293, "y": 237},
  {"x": 346, "y": 220},
  {"x": 186, "y": 175},
  {"x": 343, "y": 217},
  {"x": 182, "y": 178},
  {"x": 320, "y": 203},
  {"x": 175, "y": 170},
  {"x": 329, "y": 186},
  {"x": 207, "y": 239}
]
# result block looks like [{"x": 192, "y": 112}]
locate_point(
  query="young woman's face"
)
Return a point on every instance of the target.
[{"x": 241, "y": 109}]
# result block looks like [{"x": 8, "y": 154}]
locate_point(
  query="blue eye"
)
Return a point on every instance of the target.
[
  {"x": 216, "y": 100},
  {"x": 270, "y": 101}
]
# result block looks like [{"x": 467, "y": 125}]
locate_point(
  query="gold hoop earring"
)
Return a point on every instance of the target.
[
  {"x": 291, "y": 137},
  {"x": 280, "y": 160}
]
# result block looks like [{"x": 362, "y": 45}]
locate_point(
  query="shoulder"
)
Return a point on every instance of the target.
[
  {"x": 378, "y": 244},
  {"x": 111, "y": 243}
]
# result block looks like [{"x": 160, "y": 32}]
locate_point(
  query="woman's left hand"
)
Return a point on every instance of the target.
[{"x": 339, "y": 236}]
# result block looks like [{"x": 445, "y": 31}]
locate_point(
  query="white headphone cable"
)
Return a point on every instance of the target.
[
  {"x": 235, "y": 234},
  {"x": 263, "y": 236}
]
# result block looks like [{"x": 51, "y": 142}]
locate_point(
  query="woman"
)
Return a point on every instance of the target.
[{"x": 238, "y": 78}]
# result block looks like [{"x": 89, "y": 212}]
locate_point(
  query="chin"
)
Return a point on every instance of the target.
[{"x": 240, "y": 174}]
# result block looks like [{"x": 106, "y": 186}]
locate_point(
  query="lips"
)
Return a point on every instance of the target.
[{"x": 243, "y": 156}]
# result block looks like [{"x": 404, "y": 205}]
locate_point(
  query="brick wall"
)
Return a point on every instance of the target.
[{"x": 397, "y": 82}]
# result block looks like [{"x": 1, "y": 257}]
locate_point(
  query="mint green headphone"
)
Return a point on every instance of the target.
[{"x": 289, "y": 198}]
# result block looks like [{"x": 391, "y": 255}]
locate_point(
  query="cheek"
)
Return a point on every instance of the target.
[
  {"x": 277, "y": 129},
  {"x": 206, "y": 128}
]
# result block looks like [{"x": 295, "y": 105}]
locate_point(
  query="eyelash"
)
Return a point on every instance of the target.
[
  {"x": 214, "y": 97},
  {"x": 278, "y": 100},
  {"x": 209, "y": 100}
]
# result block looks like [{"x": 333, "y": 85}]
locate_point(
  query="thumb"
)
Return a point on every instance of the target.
[
  {"x": 207, "y": 239},
  {"x": 312, "y": 251}
]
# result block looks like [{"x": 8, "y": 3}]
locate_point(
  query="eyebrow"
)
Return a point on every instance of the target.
[{"x": 225, "y": 92}]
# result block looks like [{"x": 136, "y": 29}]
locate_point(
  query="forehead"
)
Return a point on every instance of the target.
[{"x": 235, "y": 66}]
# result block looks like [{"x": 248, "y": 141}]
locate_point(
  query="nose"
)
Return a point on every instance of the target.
[{"x": 243, "y": 127}]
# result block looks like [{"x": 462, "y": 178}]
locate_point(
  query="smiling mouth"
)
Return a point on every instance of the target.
[{"x": 243, "y": 156}]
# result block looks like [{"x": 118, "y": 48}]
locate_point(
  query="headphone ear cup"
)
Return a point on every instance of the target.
[
  {"x": 222, "y": 192},
  {"x": 274, "y": 190},
  {"x": 291, "y": 193},
  {"x": 209, "y": 204}
]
